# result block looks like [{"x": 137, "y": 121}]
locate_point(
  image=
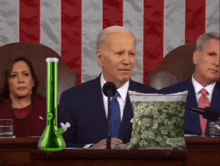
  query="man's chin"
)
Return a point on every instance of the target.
[
  {"x": 213, "y": 79},
  {"x": 123, "y": 80}
]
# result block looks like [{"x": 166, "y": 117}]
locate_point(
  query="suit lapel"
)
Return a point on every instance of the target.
[
  {"x": 215, "y": 103},
  {"x": 192, "y": 119},
  {"x": 98, "y": 105},
  {"x": 127, "y": 115}
]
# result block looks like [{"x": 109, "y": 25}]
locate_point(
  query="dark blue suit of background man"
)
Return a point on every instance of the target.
[
  {"x": 206, "y": 75},
  {"x": 84, "y": 107}
]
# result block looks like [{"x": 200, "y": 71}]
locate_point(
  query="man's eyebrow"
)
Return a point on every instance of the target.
[{"x": 119, "y": 50}]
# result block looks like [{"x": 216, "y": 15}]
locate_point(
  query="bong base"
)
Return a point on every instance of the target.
[{"x": 52, "y": 149}]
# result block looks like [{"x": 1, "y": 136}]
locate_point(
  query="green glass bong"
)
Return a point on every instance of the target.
[{"x": 52, "y": 139}]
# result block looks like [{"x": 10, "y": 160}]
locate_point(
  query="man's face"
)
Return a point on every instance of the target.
[
  {"x": 207, "y": 62},
  {"x": 118, "y": 57}
]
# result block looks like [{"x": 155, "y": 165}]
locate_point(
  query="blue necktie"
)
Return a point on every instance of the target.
[{"x": 116, "y": 121}]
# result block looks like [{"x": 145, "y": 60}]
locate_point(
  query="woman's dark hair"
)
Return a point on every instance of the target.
[{"x": 5, "y": 93}]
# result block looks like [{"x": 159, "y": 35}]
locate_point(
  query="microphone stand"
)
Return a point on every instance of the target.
[
  {"x": 109, "y": 90},
  {"x": 108, "y": 141}
]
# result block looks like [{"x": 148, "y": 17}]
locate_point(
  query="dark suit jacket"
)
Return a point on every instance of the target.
[
  {"x": 192, "y": 120},
  {"x": 83, "y": 108}
]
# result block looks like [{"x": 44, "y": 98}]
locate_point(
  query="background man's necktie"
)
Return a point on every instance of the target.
[
  {"x": 116, "y": 121},
  {"x": 203, "y": 102}
]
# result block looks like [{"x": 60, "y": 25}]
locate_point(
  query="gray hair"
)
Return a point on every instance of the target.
[
  {"x": 112, "y": 29},
  {"x": 203, "y": 39}
]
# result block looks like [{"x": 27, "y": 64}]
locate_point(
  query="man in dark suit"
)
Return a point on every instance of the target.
[
  {"x": 85, "y": 106},
  {"x": 205, "y": 79}
]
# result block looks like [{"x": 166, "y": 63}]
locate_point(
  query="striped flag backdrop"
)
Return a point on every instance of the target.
[{"x": 71, "y": 27}]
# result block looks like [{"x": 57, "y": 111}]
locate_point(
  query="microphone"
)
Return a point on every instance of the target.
[
  {"x": 109, "y": 90},
  {"x": 209, "y": 114}
]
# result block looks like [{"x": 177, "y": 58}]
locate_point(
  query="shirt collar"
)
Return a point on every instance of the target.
[
  {"x": 122, "y": 90},
  {"x": 198, "y": 87}
]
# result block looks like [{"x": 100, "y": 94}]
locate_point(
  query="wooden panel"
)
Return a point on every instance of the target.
[
  {"x": 108, "y": 163},
  {"x": 204, "y": 157},
  {"x": 23, "y": 151}
]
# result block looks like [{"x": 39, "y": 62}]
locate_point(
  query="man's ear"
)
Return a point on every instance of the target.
[
  {"x": 99, "y": 55},
  {"x": 195, "y": 57}
]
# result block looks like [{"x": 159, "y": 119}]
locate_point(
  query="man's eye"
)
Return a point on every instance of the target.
[
  {"x": 119, "y": 53},
  {"x": 26, "y": 74},
  {"x": 131, "y": 53},
  {"x": 212, "y": 54}
]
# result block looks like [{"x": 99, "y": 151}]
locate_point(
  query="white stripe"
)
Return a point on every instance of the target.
[
  {"x": 51, "y": 24},
  {"x": 213, "y": 16},
  {"x": 92, "y": 26},
  {"x": 133, "y": 20},
  {"x": 174, "y": 24},
  {"x": 9, "y": 21}
]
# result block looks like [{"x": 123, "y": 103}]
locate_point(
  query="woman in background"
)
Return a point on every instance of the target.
[{"x": 19, "y": 101}]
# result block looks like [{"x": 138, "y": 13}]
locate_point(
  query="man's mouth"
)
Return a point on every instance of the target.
[
  {"x": 124, "y": 69},
  {"x": 214, "y": 71}
]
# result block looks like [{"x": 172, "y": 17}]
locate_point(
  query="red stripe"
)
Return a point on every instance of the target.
[
  {"x": 72, "y": 35},
  {"x": 153, "y": 36},
  {"x": 195, "y": 20},
  {"x": 30, "y": 21},
  {"x": 112, "y": 13}
]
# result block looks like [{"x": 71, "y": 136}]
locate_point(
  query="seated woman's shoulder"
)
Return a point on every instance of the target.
[
  {"x": 4, "y": 105},
  {"x": 5, "y": 112}
]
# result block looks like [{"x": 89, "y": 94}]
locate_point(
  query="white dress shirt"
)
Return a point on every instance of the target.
[
  {"x": 121, "y": 99},
  {"x": 198, "y": 87}
]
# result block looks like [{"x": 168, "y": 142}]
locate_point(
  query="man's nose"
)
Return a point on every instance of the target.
[
  {"x": 126, "y": 58},
  {"x": 216, "y": 62}
]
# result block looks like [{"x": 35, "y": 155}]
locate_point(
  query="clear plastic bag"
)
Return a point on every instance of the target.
[{"x": 159, "y": 121}]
